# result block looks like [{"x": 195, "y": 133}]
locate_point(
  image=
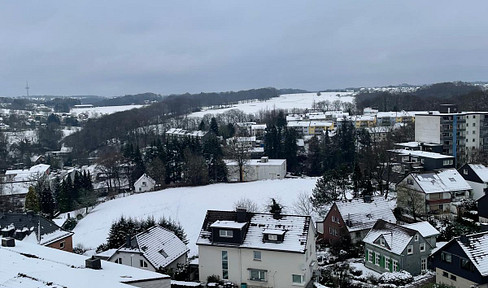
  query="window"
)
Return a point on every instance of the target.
[
  {"x": 382, "y": 242},
  {"x": 272, "y": 237},
  {"x": 332, "y": 231},
  {"x": 453, "y": 277},
  {"x": 387, "y": 263},
  {"x": 118, "y": 260},
  {"x": 142, "y": 263},
  {"x": 225, "y": 265},
  {"x": 336, "y": 219},
  {"x": 423, "y": 264},
  {"x": 257, "y": 275},
  {"x": 422, "y": 247},
  {"x": 416, "y": 237},
  {"x": 377, "y": 260},
  {"x": 446, "y": 257},
  {"x": 297, "y": 279},
  {"x": 226, "y": 233},
  {"x": 445, "y": 274},
  {"x": 61, "y": 245},
  {"x": 465, "y": 171},
  {"x": 370, "y": 256},
  {"x": 410, "y": 249},
  {"x": 257, "y": 255},
  {"x": 409, "y": 181},
  {"x": 466, "y": 264},
  {"x": 395, "y": 266}
]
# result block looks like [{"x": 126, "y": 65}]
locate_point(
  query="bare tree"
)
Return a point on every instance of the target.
[
  {"x": 109, "y": 164},
  {"x": 239, "y": 153},
  {"x": 247, "y": 204},
  {"x": 303, "y": 205},
  {"x": 411, "y": 200}
]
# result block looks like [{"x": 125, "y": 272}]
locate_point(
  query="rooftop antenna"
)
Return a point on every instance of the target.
[{"x": 27, "y": 88}]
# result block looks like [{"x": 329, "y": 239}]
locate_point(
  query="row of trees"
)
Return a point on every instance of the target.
[{"x": 48, "y": 196}]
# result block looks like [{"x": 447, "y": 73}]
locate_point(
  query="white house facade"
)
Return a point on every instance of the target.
[
  {"x": 257, "y": 249},
  {"x": 258, "y": 169},
  {"x": 144, "y": 184}
]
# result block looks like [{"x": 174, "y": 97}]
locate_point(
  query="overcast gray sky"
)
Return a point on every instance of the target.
[{"x": 125, "y": 47}]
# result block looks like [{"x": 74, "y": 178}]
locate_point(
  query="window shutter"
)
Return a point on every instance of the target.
[
  {"x": 391, "y": 265},
  {"x": 382, "y": 261}
]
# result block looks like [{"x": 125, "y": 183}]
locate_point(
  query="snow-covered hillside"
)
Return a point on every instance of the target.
[
  {"x": 286, "y": 101},
  {"x": 187, "y": 205},
  {"x": 94, "y": 112}
]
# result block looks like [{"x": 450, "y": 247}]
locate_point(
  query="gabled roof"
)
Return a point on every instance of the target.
[
  {"x": 475, "y": 246},
  {"x": 295, "y": 228},
  {"x": 29, "y": 223},
  {"x": 480, "y": 170},
  {"x": 424, "y": 228},
  {"x": 30, "y": 265},
  {"x": 147, "y": 177},
  {"x": 360, "y": 215},
  {"x": 182, "y": 132},
  {"x": 158, "y": 245},
  {"x": 447, "y": 180},
  {"x": 397, "y": 237}
]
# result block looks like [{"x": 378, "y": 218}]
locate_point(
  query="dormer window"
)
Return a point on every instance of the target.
[
  {"x": 272, "y": 235},
  {"x": 382, "y": 242},
  {"x": 226, "y": 233}
]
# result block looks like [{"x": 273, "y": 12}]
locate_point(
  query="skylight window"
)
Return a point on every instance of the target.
[
  {"x": 452, "y": 179},
  {"x": 162, "y": 252}
]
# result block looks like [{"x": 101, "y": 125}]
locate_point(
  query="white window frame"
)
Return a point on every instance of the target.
[
  {"x": 387, "y": 263},
  {"x": 297, "y": 275},
  {"x": 410, "y": 249},
  {"x": 416, "y": 237},
  {"x": 423, "y": 264},
  {"x": 422, "y": 247},
  {"x": 261, "y": 275},
  {"x": 377, "y": 259},
  {"x": 272, "y": 237},
  {"x": 142, "y": 263},
  {"x": 395, "y": 266},
  {"x": 382, "y": 242},
  {"x": 370, "y": 256},
  {"x": 226, "y": 233},
  {"x": 256, "y": 255}
]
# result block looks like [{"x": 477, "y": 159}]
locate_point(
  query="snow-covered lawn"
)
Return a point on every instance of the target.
[
  {"x": 187, "y": 205},
  {"x": 286, "y": 101},
  {"x": 94, "y": 112}
]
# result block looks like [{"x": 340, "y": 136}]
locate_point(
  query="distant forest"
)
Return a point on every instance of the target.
[
  {"x": 97, "y": 132},
  {"x": 467, "y": 96}
]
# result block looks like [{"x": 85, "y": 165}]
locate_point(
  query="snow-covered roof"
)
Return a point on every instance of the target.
[
  {"x": 295, "y": 229},
  {"x": 476, "y": 248},
  {"x": 396, "y": 237},
  {"x": 412, "y": 144},
  {"x": 182, "y": 132},
  {"x": 228, "y": 224},
  {"x": 480, "y": 170},
  {"x": 424, "y": 228},
  {"x": 33, "y": 173},
  {"x": 396, "y": 114},
  {"x": 258, "y": 162},
  {"x": 158, "y": 245},
  {"x": 258, "y": 127},
  {"x": 145, "y": 177},
  {"x": 419, "y": 153},
  {"x": 30, "y": 265},
  {"x": 447, "y": 180},
  {"x": 360, "y": 215}
]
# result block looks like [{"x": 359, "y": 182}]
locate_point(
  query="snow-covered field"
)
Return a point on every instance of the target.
[
  {"x": 286, "y": 101},
  {"x": 187, "y": 205},
  {"x": 94, "y": 112}
]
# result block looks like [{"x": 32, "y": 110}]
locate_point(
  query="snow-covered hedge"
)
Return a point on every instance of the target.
[{"x": 396, "y": 278}]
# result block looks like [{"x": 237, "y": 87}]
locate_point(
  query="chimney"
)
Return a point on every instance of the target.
[
  {"x": 464, "y": 239},
  {"x": 8, "y": 242},
  {"x": 241, "y": 215},
  {"x": 264, "y": 159},
  {"x": 127, "y": 241},
  {"x": 93, "y": 263}
]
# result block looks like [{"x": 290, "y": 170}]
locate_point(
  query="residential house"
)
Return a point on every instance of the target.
[
  {"x": 144, "y": 183},
  {"x": 18, "y": 181},
  {"x": 389, "y": 247},
  {"x": 35, "y": 228},
  {"x": 437, "y": 192},
  {"x": 463, "y": 261},
  {"x": 419, "y": 161},
  {"x": 483, "y": 209},
  {"x": 477, "y": 177},
  {"x": 257, "y": 169},
  {"x": 181, "y": 134},
  {"x": 156, "y": 249},
  {"x": 355, "y": 217},
  {"x": 26, "y": 264},
  {"x": 257, "y": 249}
]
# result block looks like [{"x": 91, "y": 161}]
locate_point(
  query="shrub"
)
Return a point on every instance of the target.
[{"x": 396, "y": 278}]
